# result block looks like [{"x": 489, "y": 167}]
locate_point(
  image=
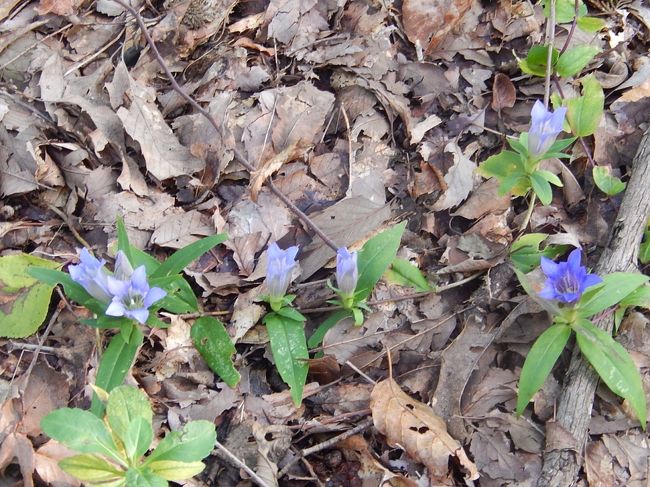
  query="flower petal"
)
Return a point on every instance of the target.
[
  {"x": 591, "y": 280},
  {"x": 139, "y": 280},
  {"x": 116, "y": 308},
  {"x": 548, "y": 292},
  {"x": 550, "y": 268},
  {"x": 117, "y": 287},
  {"x": 140, "y": 315},
  {"x": 575, "y": 261},
  {"x": 155, "y": 294}
]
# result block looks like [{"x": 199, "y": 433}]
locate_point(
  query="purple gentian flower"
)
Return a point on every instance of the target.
[
  {"x": 123, "y": 268},
  {"x": 566, "y": 281},
  {"x": 278, "y": 271},
  {"x": 347, "y": 274},
  {"x": 545, "y": 126},
  {"x": 91, "y": 275},
  {"x": 132, "y": 298}
]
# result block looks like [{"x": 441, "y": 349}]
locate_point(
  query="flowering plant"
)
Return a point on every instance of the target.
[
  {"x": 573, "y": 296},
  {"x": 518, "y": 169},
  {"x": 347, "y": 281},
  {"x": 127, "y": 298}
]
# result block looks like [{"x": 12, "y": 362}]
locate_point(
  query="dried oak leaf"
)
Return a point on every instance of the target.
[
  {"x": 428, "y": 22},
  {"x": 413, "y": 426}
]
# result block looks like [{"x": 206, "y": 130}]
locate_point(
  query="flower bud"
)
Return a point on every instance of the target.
[
  {"x": 545, "y": 126},
  {"x": 278, "y": 271},
  {"x": 91, "y": 275},
  {"x": 347, "y": 274}
]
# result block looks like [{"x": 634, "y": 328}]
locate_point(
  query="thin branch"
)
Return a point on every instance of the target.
[
  {"x": 550, "y": 38},
  {"x": 573, "y": 27},
  {"x": 241, "y": 158},
  {"x": 325, "y": 445},
  {"x": 258, "y": 480}
]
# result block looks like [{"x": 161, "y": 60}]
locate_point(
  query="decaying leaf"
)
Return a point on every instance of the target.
[
  {"x": 267, "y": 168},
  {"x": 427, "y": 23},
  {"x": 459, "y": 179},
  {"x": 413, "y": 426},
  {"x": 504, "y": 93}
]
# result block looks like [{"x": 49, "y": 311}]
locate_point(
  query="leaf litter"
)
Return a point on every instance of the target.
[{"x": 364, "y": 114}]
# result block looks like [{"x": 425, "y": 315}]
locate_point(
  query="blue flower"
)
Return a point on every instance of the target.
[
  {"x": 91, "y": 275},
  {"x": 545, "y": 126},
  {"x": 347, "y": 274},
  {"x": 566, "y": 281},
  {"x": 133, "y": 297},
  {"x": 278, "y": 271}
]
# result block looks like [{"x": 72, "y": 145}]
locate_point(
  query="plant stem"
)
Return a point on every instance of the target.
[{"x": 550, "y": 37}]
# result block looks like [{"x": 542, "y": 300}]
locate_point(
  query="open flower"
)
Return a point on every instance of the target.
[
  {"x": 133, "y": 297},
  {"x": 91, "y": 275},
  {"x": 566, "y": 281},
  {"x": 278, "y": 271},
  {"x": 347, "y": 274},
  {"x": 545, "y": 126}
]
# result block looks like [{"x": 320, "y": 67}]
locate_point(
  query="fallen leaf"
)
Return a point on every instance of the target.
[
  {"x": 17, "y": 446},
  {"x": 267, "y": 168},
  {"x": 181, "y": 229},
  {"x": 57, "y": 7},
  {"x": 504, "y": 93},
  {"x": 413, "y": 426},
  {"x": 46, "y": 391},
  {"x": 427, "y": 23},
  {"x": 459, "y": 179}
]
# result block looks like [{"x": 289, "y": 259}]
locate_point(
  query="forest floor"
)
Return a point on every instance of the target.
[{"x": 364, "y": 113}]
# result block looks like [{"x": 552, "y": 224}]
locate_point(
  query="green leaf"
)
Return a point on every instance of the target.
[
  {"x": 614, "y": 288},
  {"x": 73, "y": 290},
  {"x": 171, "y": 470},
  {"x": 565, "y": 10},
  {"x": 542, "y": 188},
  {"x": 540, "y": 361},
  {"x": 584, "y": 112},
  {"x": 176, "y": 262},
  {"x": 535, "y": 62},
  {"x": 644, "y": 248},
  {"x": 289, "y": 349},
  {"x": 608, "y": 184},
  {"x": 574, "y": 60},
  {"x": 404, "y": 273},
  {"x": 501, "y": 165},
  {"x": 520, "y": 145},
  {"x": 123, "y": 241},
  {"x": 24, "y": 300},
  {"x": 192, "y": 443},
  {"x": 91, "y": 468},
  {"x": 215, "y": 346},
  {"x": 375, "y": 257},
  {"x": 613, "y": 364},
  {"x": 591, "y": 24},
  {"x": 559, "y": 145},
  {"x": 129, "y": 415},
  {"x": 143, "y": 477},
  {"x": 525, "y": 252},
  {"x": 115, "y": 363},
  {"x": 550, "y": 177},
  {"x": 317, "y": 337},
  {"x": 79, "y": 430}
]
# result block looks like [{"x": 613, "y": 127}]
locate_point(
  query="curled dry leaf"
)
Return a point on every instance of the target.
[
  {"x": 290, "y": 153},
  {"x": 504, "y": 93},
  {"x": 413, "y": 426}
]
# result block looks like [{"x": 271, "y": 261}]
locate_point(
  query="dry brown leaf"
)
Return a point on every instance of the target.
[
  {"x": 428, "y": 22},
  {"x": 46, "y": 464},
  {"x": 484, "y": 199},
  {"x": 459, "y": 179},
  {"x": 17, "y": 446},
  {"x": 57, "y": 7},
  {"x": 181, "y": 229},
  {"x": 504, "y": 93},
  {"x": 46, "y": 390},
  {"x": 267, "y": 168},
  {"x": 413, "y": 426}
]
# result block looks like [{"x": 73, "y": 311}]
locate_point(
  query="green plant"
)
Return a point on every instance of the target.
[{"x": 113, "y": 451}]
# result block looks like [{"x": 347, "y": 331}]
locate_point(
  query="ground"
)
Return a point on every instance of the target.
[{"x": 360, "y": 114}]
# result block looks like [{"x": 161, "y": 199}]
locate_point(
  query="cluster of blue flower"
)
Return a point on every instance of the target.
[
  {"x": 545, "y": 126},
  {"x": 282, "y": 262},
  {"x": 127, "y": 290}
]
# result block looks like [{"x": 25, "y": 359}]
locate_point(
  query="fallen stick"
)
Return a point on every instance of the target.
[{"x": 566, "y": 436}]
